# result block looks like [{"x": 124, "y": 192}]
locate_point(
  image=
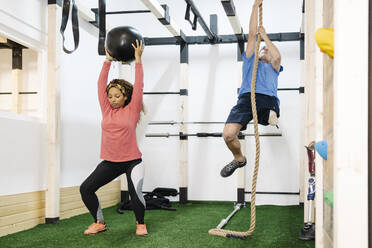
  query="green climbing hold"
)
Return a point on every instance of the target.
[{"x": 328, "y": 198}]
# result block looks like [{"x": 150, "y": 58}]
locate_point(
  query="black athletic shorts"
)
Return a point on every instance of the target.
[{"x": 242, "y": 111}]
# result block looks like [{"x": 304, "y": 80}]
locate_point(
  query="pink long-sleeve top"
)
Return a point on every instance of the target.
[{"x": 118, "y": 141}]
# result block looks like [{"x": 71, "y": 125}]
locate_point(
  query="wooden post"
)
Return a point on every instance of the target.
[
  {"x": 53, "y": 115},
  {"x": 318, "y": 118},
  {"x": 241, "y": 171},
  {"x": 314, "y": 110},
  {"x": 3, "y": 39},
  {"x": 241, "y": 175},
  {"x": 324, "y": 210},
  {"x": 16, "y": 79},
  {"x": 351, "y": 124},
  {"x": 370, "y": 130},
  {"x": 303, "y": 160},
  {"x": 309, "y": 92},
  {"x": 184, "y": 67}
]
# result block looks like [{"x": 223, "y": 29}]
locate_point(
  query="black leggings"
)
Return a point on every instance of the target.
[{"x": 107, "y": 171}]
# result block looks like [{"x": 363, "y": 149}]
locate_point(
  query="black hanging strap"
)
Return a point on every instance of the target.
[
  {"x": 187, "y": 17},
  {"x": 102, "y": 26},
  {"x": 75, "y": 24}
]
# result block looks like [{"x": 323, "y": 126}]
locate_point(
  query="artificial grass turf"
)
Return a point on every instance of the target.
[{"x": 187, "y": 227}]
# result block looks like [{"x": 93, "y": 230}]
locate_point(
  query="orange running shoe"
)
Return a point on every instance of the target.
[
  {"x": 95, "y": 228},
  {"x": 141, "y": 230}
]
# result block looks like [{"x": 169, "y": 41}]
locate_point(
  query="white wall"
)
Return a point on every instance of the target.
[
  {"x": 22, "y": 167},
  {"x": 212, "y": 92}
]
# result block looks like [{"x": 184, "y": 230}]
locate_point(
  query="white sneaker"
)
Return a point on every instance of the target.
[{"x": 273, "y": 118}]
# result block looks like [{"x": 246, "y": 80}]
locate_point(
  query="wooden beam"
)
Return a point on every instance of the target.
[
  {"x": 183, "y": 104},
  {"x": 16, "y": 79},
  {"x": 52, "y": 199},
  {"x": 318, "y": 118},
  {"x": 229, "y": 8},
  {"x": 370, "y": 130},
  {"x": 241, "y": 174},
  {"x": 241, "y": 171},
  {"x": 3, "y": 39},
  {"x": 324, "y": 236},
  {"x": 159, "y": 13},
  {"x": 303, "y": 157},
  {"x": 314, "y": 113},
  {"x": 310, "y": 94},
  {"x": 16, "y": 84},
  {"x": 303, "y": 139}
]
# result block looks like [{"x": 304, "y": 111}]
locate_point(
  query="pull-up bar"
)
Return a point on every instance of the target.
[
  {"x": 127, "y": 12},
  {"x": 222, "y": 39},
  {"x": 167, "y": 135},
  {"x": 20, "y": 93},
  {"x": 95, "y": 11},
  {"x": 182, "y": 92},
  {"x": 299, "y": 89},
  {"x": 184, "y": 122}
]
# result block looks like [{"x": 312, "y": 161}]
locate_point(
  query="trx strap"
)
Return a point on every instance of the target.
[
  {"x": 102, "y": 26},
  {"x": 75, "y": 24}
]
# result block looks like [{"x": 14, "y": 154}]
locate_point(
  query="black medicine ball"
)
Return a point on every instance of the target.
[{"x": 119, "y": 42}]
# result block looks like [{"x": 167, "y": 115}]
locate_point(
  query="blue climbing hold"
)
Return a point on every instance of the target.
[{"x": 321, "y": 148}]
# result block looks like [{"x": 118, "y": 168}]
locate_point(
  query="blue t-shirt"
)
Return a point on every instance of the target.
[{"x": 266, "y": 80}]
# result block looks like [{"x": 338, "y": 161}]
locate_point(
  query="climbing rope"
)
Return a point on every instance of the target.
[{"x": 236, "y": 234}]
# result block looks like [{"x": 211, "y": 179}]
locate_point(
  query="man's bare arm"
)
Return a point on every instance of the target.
[
  {"x": 273, "y": 50},
  {"x": 252, "y": 29}
]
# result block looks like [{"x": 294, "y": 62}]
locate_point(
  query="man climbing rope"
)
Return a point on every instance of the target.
[{"x": 267, "y": 101}]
